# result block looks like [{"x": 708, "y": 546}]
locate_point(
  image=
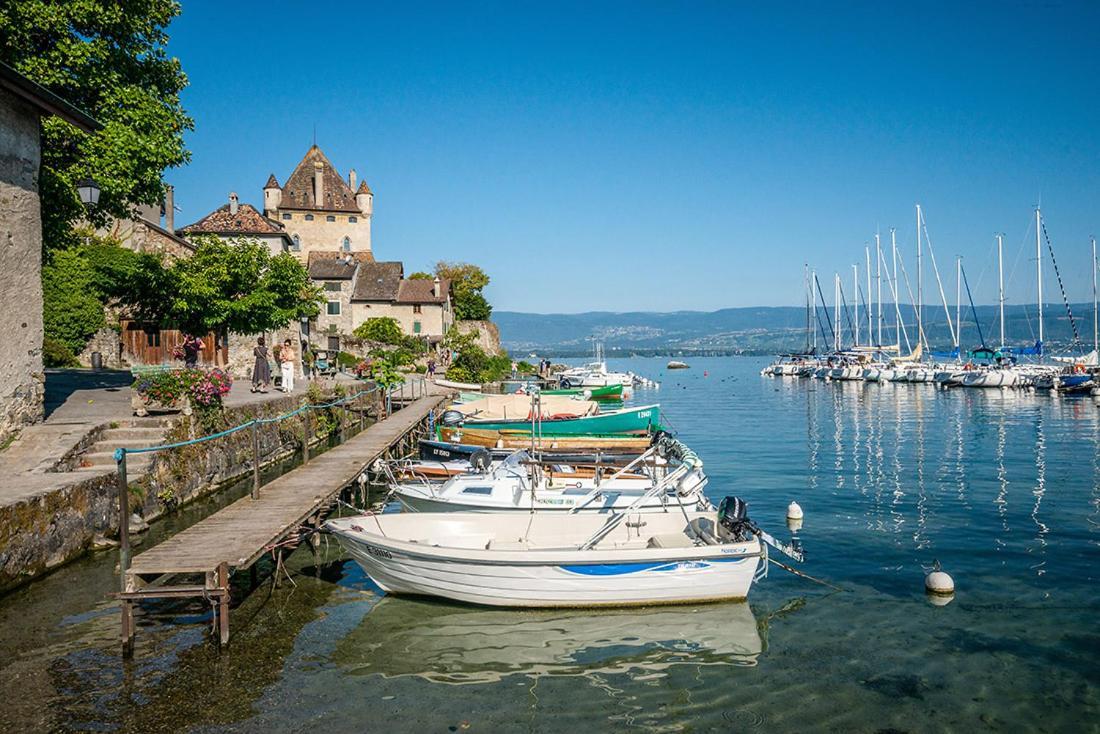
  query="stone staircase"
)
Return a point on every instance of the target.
[{"x": 131, "y": 434}]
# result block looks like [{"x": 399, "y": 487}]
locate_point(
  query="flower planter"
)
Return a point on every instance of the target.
[{"x": 143, "y": 407}]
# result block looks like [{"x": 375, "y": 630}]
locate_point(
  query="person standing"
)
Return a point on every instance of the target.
[
  {"x": 192, "y": 347},
  {"x": 289, "y": 365},
  {"x": 431, "y": 369},
  {"x": 261, "y": 371}
]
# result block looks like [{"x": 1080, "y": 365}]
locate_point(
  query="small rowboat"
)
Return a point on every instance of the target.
[
  {"x": 521, "y": 440},
  {"x": 640, "y": 420},
  {"x": 607, "y": 392}
]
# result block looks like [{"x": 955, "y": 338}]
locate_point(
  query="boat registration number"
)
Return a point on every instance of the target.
[{"x": 377, "y": 552}]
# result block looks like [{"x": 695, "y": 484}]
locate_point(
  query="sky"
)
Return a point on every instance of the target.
[{"x": 664, "y": 156}]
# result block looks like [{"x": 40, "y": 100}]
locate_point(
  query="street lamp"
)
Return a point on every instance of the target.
[{"x": 88, "y": 191}]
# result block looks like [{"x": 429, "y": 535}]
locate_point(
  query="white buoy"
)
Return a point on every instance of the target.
[
  {"x": 939, "y": 600},
  {"x": 794, "y": 511},
  {"x": 939, "y": 582},
  {"x": 794, "y": 525}
]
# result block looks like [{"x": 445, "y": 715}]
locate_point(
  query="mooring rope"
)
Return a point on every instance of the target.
[{"x": 1065, "y": 300}]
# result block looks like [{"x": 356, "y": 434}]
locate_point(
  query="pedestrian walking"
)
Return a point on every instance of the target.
[
  {"x": 192, "y": 347},
  {"x": 515, "y": 369},
  {"x": 261, "y": 370},
  {"x": 289, "y": 365},
  {"x": 431, "y": 369}
]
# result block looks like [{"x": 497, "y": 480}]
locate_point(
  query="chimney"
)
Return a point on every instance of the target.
[
  {"x": 351, "y": 179},
  {"x": 233, "y": 204},
  {"x": 169, "y": 208},
  {"x": 319, "y": 184},
  {"x": 435, "y": 287}
]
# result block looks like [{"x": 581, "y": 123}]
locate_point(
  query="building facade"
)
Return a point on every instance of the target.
[
  {"x": 22, "y": 380},
  {"x": 319, "y": 210},
  {"x": 237, "y": 220}
]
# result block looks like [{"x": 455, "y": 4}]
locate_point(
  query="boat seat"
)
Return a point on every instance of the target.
[
  {"x": 703, "y": 530},
  {"x": 670, "y": 540}
]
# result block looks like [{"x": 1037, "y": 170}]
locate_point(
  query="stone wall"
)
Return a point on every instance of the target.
[
  {"x": 488, "y": 334},
  {"x": 21, "y": 331},
  {"x": 321, "y": 234},
  {"x": 434, "y": 318},
  {"x": 107, "y": 342}
]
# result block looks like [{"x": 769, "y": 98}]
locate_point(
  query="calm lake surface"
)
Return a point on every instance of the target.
[{"x": 1002, "y": 488}]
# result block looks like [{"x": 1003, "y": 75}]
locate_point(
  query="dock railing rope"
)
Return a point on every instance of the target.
[{"x": 254, "y": 424}]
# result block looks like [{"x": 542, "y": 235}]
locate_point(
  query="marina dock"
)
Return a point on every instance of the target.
[{"x": 198, "y": 561}]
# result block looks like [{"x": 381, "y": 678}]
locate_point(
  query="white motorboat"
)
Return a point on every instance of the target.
[
  {"x": 667, "y": 477},
  {"x": 543, "y": 559},
  {"x": 994, "y": 377}
]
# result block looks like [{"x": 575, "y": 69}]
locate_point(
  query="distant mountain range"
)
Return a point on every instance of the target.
[{"x": 766, "y": 329}]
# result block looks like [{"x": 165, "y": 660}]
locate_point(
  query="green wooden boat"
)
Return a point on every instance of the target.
[
  {"x": 640, "y": 420},
  {"x": 607, "y": 392}
]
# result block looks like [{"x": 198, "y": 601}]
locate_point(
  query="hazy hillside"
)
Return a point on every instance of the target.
[{"x": 762, "y": 329}]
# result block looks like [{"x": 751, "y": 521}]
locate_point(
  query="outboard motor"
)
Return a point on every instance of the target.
[
  {"x": 451, "y": 418},
  {"x": 733, "y": 516},
  {"x": 480, "y": 460}
]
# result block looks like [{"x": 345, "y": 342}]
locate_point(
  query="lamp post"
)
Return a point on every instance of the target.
[{"x": 88, "y": 190}]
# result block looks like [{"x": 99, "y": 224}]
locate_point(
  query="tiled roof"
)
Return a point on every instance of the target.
[
  {"x": 419, "y": 290},
  {"x": 298, "y": 193},
  {"x": 378, "y": 281},
  {"x": 333, "y": 265},
  {"x": 363, "y": 188},
  {"x": 222, "y": 221},
  {"x": 272, "y": 182}
]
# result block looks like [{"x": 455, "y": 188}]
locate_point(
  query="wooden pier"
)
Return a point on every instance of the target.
[{"x": 197, "y": 562}]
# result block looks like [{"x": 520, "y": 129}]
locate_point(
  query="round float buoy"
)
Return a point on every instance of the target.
[
  {"x": 794, "y": 511},
  {"x": 794, "y": 525},
  {"x": 939, "y": 582},
  {"x": 939, "y": 600}
]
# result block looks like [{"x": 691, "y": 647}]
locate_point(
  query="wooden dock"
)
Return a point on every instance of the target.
[{"x": 237, "y": 536}]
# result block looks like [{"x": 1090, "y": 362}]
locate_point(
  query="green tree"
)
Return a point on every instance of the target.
[
  {"x": 467, "y": 282},
  {"x": 108, "y": 59},
  {"x": 421, "y": 275},
  {"x": 233, "y": 286},
  {"x": 384, "y": 329},
  {"x": 72, "y": 311}
]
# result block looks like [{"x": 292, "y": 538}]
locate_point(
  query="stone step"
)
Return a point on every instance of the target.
[
  {"x": 107, "y": 458},
  {"x": 126, "y": 443},
  {"x": 150, "y": 433},
  {"x": 151, "y": 421}
]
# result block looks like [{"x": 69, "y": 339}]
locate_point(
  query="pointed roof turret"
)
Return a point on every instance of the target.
[
  {"x": 272, "y": 182},
  {"x": 300, "y": 189},
  {"x": 364, "y": 189}
]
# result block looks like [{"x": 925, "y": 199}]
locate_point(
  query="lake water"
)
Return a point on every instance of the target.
[{"x": 1002, "y": 488}]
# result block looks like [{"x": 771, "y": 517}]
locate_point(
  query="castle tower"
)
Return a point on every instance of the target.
[{"x": 273, "y": 195}]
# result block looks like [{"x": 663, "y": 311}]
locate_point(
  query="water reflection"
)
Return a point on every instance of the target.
[{"x": 454, "y": 644}]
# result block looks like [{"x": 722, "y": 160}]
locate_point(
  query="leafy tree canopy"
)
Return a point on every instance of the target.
[
  {"x": 384, "y": 329},
  {"x": 108, "y": 59},
  {"x": 467, "y": 282},
  {"x": 228, "y": 285},
  {"x": 421, "y": 275}
]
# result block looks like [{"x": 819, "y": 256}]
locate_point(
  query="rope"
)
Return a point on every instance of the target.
[
  {"x": 120, "y": 452},
  {"x": 806, "y": 576},
  {"x": 1065, "y": 300}
]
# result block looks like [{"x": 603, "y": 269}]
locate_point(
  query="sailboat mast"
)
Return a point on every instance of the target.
[
  {"x": 920, "y": 296},
  {"x": 878, "y": 277},
  {"x": 813, "y": 299},
  {"x": 1095, "y": 324},
  {"x": 836, "y": 311},
  {"x": 870, "y": 296},
  {"x": 894, "y": 279},
  {"x": 855, "y": 297},
  {"x": 806, "y": 292},
  {"x": 1001, "y": 284},
  {"x": 958, "y": 305},
  {"x": 1039, "y": 273}
]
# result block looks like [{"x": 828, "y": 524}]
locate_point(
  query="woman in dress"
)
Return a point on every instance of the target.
[
  {"x": 261, "y": 371},
  {"x": 290, "y": 359}
]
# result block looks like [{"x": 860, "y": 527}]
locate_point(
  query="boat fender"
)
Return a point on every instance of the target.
[
  {"x": 794, "y": 511},
  {"x": 481, "y": 459}
]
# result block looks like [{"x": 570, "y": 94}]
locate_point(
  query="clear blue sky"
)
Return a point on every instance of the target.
[{"x": 626, "y": 156}]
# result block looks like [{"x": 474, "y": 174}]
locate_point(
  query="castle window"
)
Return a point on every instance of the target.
[
  {"x": 333, "y": 287},
  {"x": 297, "y": 246},
  {"x": 333, "y": 308},
  {"x": 286, "y": 216},
  {"x": 346, "y": 244},
  {"x": 353, "y": 220},
  {"x": 416, "y": 308},
  {"x": 416, "y": 327},
  {"x": 309, "y": 217},
  {"x": 330, "y": 218}
]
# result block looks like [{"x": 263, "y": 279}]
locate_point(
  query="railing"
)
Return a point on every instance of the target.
[{"x": 415, "y": 390}]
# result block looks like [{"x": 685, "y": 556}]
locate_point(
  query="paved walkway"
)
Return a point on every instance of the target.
[{"x": 76, "y": 401}]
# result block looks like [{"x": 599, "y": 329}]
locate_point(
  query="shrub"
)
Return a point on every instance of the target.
[
  {"x": 56, "y": 354},
  {"x": 71, "y": 311},
  {"x": 459, "y": 374},
  {"x": 384, "y": 329},
  {"x": 346, "y": 360}
]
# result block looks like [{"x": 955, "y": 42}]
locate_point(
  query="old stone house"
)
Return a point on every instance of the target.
[
  {"x": 235, "y": 219},
  {"x": 22, "y": 105},
  {"x": 319, "y": 209}
]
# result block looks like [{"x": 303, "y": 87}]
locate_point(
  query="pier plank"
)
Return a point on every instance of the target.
[{"x": 243, "y": 531}]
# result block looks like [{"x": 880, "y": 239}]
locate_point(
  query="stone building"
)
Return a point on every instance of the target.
[
  {"x": 22, "y": 105},
  {"x": 357, "y": 288},
  {"x": 319, "y": 209},
  {"x": 235, "y": 219}
]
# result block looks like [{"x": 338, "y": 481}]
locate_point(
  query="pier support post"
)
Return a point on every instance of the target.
[
  {"x": 123, "y": 520},
  {"x": 127, "y": 628},
  {"x": 305, "y": 436},
  {"x": 255, "y": 460},
  {"x": 223, "y": 603}
]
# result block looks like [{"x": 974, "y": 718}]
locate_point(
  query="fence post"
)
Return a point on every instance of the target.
[
  {"x": 343, "y": 420},
  {"x": 123, "y": 518},
  {"x": 362, "y": 410},
  {"x": 255, "y": 459},
  {"x": 305, "y": 434}
]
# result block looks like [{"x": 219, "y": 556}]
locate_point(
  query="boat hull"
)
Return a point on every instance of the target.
[
  {"x": 546, "y": 578},
  {"x": 643, "y": 419},
  {"x": 514, "y": 440}
]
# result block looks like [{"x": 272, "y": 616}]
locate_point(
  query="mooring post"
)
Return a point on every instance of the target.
[
  {"x": 255, "y": 459},
  {"x": 223, "y": 603},
  {"x": 305, "y": 434},
  {"x": 123, "y": 518}
]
